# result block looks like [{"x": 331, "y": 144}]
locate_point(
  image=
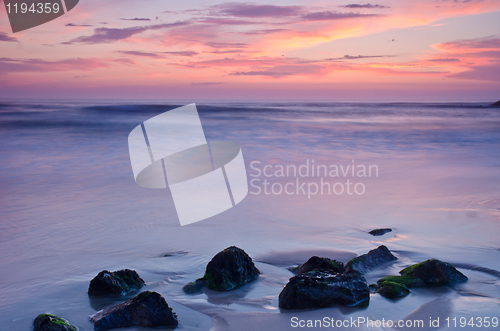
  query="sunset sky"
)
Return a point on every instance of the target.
[{"x": 425, "y": 50}]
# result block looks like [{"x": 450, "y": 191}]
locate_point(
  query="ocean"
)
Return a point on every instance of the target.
[{"x": 69, "y": 207}]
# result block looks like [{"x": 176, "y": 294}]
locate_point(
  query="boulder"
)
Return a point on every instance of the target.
[
  {"x": 392, "y": 290},
  {"x": 119, "y": 282},
  {"x": 380, "y": 232},
  {"x": 434, "y": 273},
  {"x": 320, "y": 263},
  {"x": 147, "y": 309},
  {"x": 374, "y": 258},
  {"x": 227, "y": 270},
  {"x": 428, "y": 273},
  {"x": 318, "y": 289},
  {"x": 48, "y": 322}
]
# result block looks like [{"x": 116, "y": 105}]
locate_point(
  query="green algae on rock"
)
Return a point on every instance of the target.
[
  {"x": 425, "y": 274},
  {"x": 392, "y": 290},
  {"x": 49, "y": 322}
]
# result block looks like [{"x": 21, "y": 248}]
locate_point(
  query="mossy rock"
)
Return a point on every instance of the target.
[
  {"x": 320, "y": 263},
  {"x": 425, "y": 274},
  {"x": 404, "y": 280},
  {"x": 392, "y": 290},
  {"x": 49, "y": 322},
  {"x": 434, "y": 273}
]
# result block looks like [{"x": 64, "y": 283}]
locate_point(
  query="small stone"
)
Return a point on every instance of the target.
[
  {"x": 119, "y": 282},
  {"x": 147, "y": 309},
  {"x": 195, "y": 287},
  {"x": 48, "y": 322},
  {"x": 380, "y": 232},
  {"x": 374, "y": 258}
]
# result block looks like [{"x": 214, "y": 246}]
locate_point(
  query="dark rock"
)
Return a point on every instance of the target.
[
  {"x": 434, "y": 272},
  {"x": 115, "y": 283},
  {"x": 380, "y": 232},
  {"x": 392, "y": 290},
  {"x": 496, "y": 104},
  {"x": 48, "y": 322},
  {"x": 320, "y": 263},
  {"x": 195, "y": 287},
  {"x": 227, "y": 270},
  {"x": 318, "y": 289},
  {"x": 371, "y": 260},
  {"x": 428, "y": 273},
  {"x": 147, "y": 309}
]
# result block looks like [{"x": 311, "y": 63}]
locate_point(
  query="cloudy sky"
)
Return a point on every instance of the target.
[{"x": 317, "y": 50}]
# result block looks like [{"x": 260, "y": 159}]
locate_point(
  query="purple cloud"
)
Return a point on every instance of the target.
[
  {"x": 224, "y": 21},
  {"x": 109, "y": 35},
  {"x": 207, "y": 83},
  {"x": 262, "y": 32},
  {"x": 489, "y": 42},
  {"x": 229, "y": 51},
  {"x": 127, "y": 62},
  {"x": 350, "y": 57},
  {"x": 8, "y": 65},
  {"x": 261, "y": 73},
  {"x": 485, "y": 73},
  {"x": 250, "y": 10},
  {"x": 5, "y": 37},
  {"x": 366, "y": 5},
  {"x": 79, "y": 25},
  {"x": 330, "y": 16},
  {"x": 139, "y": 53},
  {"x": 182, "y": 53},
  {"x": 226, "y": 45},
  {"x": 135, "y": 19}
]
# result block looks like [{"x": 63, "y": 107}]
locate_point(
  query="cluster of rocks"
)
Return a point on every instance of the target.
[
  {"x": 147, "y": 309},
  {"x": 319, "y": 282},
  {"x": 322, "y": 282},
  {"x": 428, "y": 273}
]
